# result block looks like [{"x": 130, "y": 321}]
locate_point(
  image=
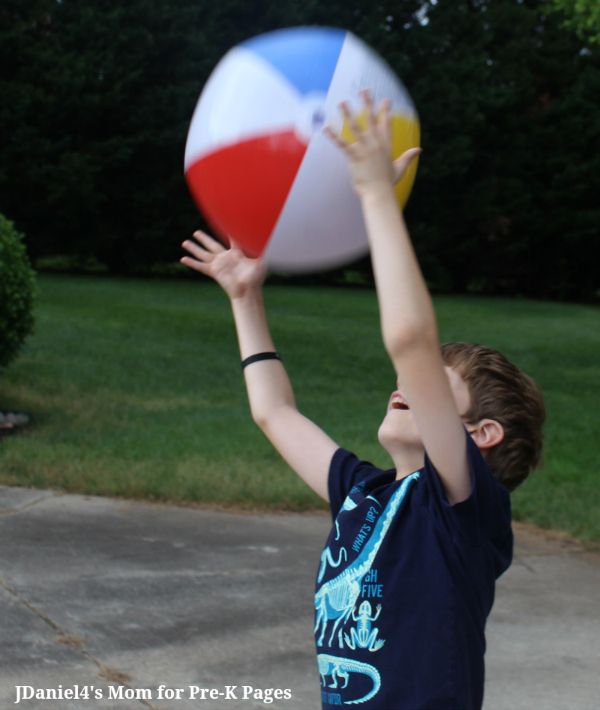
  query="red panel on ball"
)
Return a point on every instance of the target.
[{"x": 241, "y": 189}]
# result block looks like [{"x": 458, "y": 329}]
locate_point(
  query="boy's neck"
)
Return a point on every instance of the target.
[{"x": 407, "y": 461}]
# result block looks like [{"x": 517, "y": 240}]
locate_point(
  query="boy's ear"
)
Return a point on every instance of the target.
[{"x": 486, "y": 433}]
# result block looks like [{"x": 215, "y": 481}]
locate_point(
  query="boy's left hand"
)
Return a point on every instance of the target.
[
  {"x": 370, "y": 162},
  {"x": 237, "y": 274}
]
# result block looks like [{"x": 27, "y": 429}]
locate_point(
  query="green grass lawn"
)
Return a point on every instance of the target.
[{"x": 136, "y": 390}]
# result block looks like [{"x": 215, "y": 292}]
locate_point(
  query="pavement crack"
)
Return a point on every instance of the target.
[
  {"x": 20, "y": 507},
  {"x": 32, "y": 608},
  {"x": 111, "y": 675},
  {"x": 521, "y": 561}
]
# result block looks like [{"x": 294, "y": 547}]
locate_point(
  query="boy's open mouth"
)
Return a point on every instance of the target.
[{"x": 399, "y": 405}]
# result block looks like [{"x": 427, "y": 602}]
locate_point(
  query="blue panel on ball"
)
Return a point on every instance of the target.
[{"x": 306, "y": 56}]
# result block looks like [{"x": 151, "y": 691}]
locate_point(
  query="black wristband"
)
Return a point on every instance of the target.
[{"x": 260, "y": 356}]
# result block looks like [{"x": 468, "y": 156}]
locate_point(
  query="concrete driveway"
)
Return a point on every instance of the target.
[{"x": 138, "y": 605}]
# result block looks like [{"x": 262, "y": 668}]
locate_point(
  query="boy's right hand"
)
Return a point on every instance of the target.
[
  {"x": 237, "y": 274},
  {"x": 369, "y": 156}
]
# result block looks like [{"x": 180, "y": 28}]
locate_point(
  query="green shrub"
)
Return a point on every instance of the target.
[{"x": 17, "y": 290}]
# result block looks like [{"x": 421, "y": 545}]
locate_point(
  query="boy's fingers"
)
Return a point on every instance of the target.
[
  {"x": 197, "y": 251},
  {"x": 368, "y": 101},
  {"x": 410, "y": 154},
  {"x": 385, "y": 117},
  {"x": 354, "y": 127},
  {"x": 402, "y": 163},
  {"x": 235, "y": 245},
  {"x": 335, "y": 137},
  {"x": 196, "y": 265},
  {"x": 209, "y": 242}
]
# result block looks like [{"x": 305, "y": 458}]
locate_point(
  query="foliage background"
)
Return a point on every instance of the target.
[
  {"x": 96, "y": 98},
  {"x": 581, "y": 15},
  {"x": 17, "y": 293}
]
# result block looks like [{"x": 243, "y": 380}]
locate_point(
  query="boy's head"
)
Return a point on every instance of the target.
[{"x": 500, "y": 391}]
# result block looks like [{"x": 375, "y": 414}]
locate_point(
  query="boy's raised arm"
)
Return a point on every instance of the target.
[
  {"x": 305, "y": 447},
  {"x": 408, "y": 321}
]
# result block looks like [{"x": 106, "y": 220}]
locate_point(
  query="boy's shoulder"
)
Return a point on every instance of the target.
[{"x": 485, "y": 515}]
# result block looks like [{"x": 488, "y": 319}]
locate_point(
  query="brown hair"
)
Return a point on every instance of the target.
[{"x": 500, "y": 391}]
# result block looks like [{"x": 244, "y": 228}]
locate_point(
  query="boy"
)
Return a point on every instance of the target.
[{"x": 406, "y": 580}]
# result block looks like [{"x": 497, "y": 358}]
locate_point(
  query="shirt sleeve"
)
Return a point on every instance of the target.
[
  {"x": 485, "y": 515},
  {"x": 345, "y": 472}
]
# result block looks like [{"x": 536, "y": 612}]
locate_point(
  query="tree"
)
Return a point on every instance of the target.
[
  {"x": 96, "y": 98},
  {"x": 583, "y": 16}
]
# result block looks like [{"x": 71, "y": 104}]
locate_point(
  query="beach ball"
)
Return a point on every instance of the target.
[{"x": 257, "y": 163}]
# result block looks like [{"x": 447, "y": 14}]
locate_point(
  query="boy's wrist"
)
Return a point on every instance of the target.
[
  {"x": 250, "y": 294},
  {"x": 376, "y": 192}
]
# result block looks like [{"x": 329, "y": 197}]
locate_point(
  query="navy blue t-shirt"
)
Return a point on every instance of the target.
[{"x": 405, "y": 585}]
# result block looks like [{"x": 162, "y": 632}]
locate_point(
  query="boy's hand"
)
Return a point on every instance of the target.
[
  {"x": 236, "y": 273},
  {"x": 370, "y": 162}
]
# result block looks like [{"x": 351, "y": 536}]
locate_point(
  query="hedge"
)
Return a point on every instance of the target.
[{"x": 17, "y": 292}]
